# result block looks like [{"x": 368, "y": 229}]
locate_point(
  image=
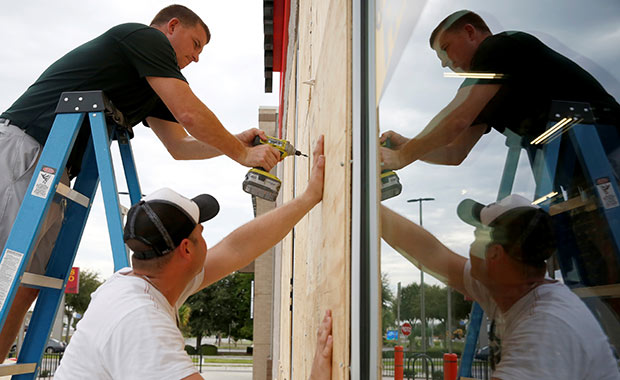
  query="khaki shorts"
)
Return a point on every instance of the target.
[{"x": 19, "y": 154}]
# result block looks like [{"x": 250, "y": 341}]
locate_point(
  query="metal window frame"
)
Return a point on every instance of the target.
[{"x": 365, "y": 296}]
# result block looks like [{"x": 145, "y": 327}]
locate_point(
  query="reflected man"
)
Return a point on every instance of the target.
[
  {"x": 532, "y": 76},
  {"x": 540, "y": 329}
]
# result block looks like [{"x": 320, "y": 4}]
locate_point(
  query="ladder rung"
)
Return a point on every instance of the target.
[
  {"x": 17, "y": 369},
  {"x": 68, "y": 192},
  {"x": 43, "y": 281}
]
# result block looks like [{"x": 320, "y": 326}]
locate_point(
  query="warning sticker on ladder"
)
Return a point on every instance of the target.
[
  {"x": 44, "y": 182},
  {"x": 8, "y": 269},
  {"x": 607, "y": 193}
]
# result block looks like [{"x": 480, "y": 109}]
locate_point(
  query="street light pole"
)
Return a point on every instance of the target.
[{"x": 423, "y": 308}]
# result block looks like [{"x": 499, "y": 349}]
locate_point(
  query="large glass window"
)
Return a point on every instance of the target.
[{"x": 527, "y": 107}]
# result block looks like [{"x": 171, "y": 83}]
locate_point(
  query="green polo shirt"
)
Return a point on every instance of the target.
[{"x": 117, "y": 62}]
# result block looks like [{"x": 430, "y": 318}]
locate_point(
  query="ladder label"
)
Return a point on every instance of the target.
[
  {"x": 44, "y": 181},
  {"x": 607, "y": 193},
  {"x": 8, "y": 269}
]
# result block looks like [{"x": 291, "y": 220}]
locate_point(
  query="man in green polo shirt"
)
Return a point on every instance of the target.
[{"x": 139, "y": 69}]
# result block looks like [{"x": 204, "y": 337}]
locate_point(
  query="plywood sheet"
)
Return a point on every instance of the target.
[{"x": 321, "y": 268}]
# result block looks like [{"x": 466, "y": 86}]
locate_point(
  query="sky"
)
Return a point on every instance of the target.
[
  {"x": 586, "y": 32},
  {"x": 228, "y": 78}
]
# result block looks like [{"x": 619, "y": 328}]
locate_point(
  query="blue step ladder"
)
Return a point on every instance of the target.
[
  {"x": 72, "y": 109},
  {"x": 568, "y": 121}
]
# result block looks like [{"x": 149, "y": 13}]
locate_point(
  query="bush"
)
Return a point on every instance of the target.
[
  {"x": 208, "y": 349},
  {"x": 190, "y": 349}
]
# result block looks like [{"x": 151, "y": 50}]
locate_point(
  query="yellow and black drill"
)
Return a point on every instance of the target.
[
  {"x": 390, "y": 183},
  {"x": 260, "y": 182}
]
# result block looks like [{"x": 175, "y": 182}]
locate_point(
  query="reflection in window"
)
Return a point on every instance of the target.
[{"x": 518, "y": 111}]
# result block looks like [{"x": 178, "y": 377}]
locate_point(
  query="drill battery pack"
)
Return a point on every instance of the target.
[
  {"x": 262, "y": 184},
  {"x": 390, "y": 185}
]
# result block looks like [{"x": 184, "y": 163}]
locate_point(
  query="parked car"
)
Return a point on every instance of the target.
[
  {"x": 482, "y": 353},
  {"x": 53, "y": 346}
]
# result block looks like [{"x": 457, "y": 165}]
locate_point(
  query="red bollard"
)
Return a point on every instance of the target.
[
  {"x": 450, "y": 366},
  {"x": 398, "y": 363}
]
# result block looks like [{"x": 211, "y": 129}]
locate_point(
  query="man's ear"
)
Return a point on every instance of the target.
[
  {"x": 494, "y": 251},
  {"x": 184, "y": 249},
  {"x": 470, "y": 30},
  {"x": 172, "y": 24}
]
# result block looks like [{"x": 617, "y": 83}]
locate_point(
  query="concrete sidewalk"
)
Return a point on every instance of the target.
[{"x": 227, "y": 373}]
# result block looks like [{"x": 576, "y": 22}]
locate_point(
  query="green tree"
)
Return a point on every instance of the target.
[
  {"x": 387, "y": 302},
  {"x": 222, "y": 307},
  {"x": 410, "y": 303},
  {"x": 78, "y": 303}
]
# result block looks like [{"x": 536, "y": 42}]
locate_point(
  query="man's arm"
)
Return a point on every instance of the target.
[
  {"x": 444, "y": 128},
  {"x": 418, "y": 245},
  {"x": 458, "y": 150},
  {"x": 252, "y": 239},
  {"x": 182, "y": 146},
  {"x": 202, "y": 124}
]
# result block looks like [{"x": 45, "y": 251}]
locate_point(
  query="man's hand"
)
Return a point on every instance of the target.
[
  {"x": 396, "y": 140},
  {"x": 314, "y": 191},
  {"x": 264, "y": 156},
  {"x": 247, "y": 137},
  {"x": 391, "y": 159},
  {"x": 322, "y": 365}
]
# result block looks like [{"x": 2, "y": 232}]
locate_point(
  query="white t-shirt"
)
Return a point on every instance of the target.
[
  {"x": 548, "y": 334},
  {"x": 129, "y": 331}
]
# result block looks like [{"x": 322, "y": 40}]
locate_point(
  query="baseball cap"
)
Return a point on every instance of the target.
[
  {"x": 160, "y": 221},
  {"x": 524, "y": 229}
]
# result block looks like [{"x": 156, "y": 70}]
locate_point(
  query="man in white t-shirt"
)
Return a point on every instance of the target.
[
  {"x": 540, "y": 329},
  {"x": 129, "y": 330}
]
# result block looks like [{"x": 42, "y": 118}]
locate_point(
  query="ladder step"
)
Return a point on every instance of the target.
[
  {"x": 17, "y": 369},
  {"x": 69, "y": 193},
  {"x": 43, "y": 281}
]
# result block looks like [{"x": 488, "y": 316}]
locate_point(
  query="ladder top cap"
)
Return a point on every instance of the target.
[{"x": 90, "y": 101}]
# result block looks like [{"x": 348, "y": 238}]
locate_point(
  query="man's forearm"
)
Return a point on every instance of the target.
[
  {"x": 410, "y": 239},
  {"x": 193, "y": 149},
  {"x": 449, "y": 124},
  {"x": 458, "y": 150},
  {"x": 260, "y": 234},
  {"x": 179, "y": 144},
  {"x": 196, "y": 117},
  {"x": 206, "y": 128},
  {"x": 442, "y": 134},
  {"x": 252, "y": 239}
]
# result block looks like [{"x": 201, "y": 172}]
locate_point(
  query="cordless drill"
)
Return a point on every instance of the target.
[
  {"x": 260, "y": 182},
  {"x": 390, "y": 183}
]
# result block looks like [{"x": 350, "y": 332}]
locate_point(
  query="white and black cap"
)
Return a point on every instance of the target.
[
  {"x": 477, "y": 214},
  {"x": 523, "y": 228},
  {"x": 160, "y": 221}
]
